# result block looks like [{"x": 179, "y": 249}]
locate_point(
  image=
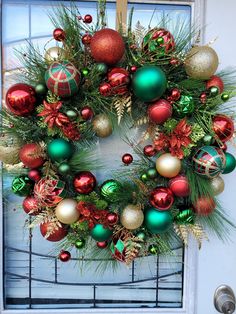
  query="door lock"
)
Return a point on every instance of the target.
[{"x": 224, "y": 300}]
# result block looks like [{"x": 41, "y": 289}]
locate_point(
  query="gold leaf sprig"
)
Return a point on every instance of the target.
[{"x": 121, "y": 104}]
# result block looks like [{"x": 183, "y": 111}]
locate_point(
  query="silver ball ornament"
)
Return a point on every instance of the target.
[
  {"x": 132, "y": 217},
  {"x": 66, "y": 211}
]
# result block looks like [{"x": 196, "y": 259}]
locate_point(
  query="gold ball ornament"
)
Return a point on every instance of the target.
[
  {"x": 217, "y": 185},
  {"x": 168, "y": 166},
  {"x": 10, "y": 155},
  {"x": 201, "y": 62},
  {"x": 66, "y": 211},
  {"x": 54, "y": 54},
  {"x": 102, "y": 125},
  {"x": 132, "y": 217}
]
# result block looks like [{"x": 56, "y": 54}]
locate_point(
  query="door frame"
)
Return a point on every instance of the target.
[{"x": 191, "y": 253}]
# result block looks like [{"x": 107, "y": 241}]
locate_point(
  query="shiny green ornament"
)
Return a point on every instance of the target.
[
  {"x": 59, "y": 150},
  {"x": 185, "y": 217},
  {"x": 149, "y": 83},
  {"x": 152, "y": 173},
  {"x": 230, "y": 163},
  {"x": 41, "y": 89},
  {"x": 153, "y": 249},
  {"x": 85, "y": 72},
  {"x": 214, "y": 91},
  {"x": 208, "y": 139},
  {"x": 64, "y": 168},
  {"x": 141, "y": 235},
  {"x": 144, "y": 177},
  {"x": 185, "y": 106},
  {"x": 80, "y": 244},
  {"x": 110, "y": 190},
  {"x": 71, "y": 114},
  {"x": 100, "y": 233},
  {"x": 22, "y": 185},
  {"x": 225, "y": 96},
  {"x": 102, "y": 68},
  {"x": 157, "y": 221}
]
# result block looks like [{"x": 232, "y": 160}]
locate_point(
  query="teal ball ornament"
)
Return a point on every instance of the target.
[
  {"x": 100, "y": 233},
  {"x": 149, "y": 83},
  {"x": 157, "y": 221},
  {"x": 209, "y": 161},
  {"x": 59, "y": 150},
  {"x": 230, "y": 163}
]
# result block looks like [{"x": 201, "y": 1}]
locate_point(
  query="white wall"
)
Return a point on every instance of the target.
[{"x": 217, "y": 261}]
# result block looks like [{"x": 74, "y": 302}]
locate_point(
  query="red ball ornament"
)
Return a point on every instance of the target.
[
  {"x": 161, "y": 198},
  {"x": 159, "y": 39},
  {"x": 86, "y": 39},
  {"x": 105, "y": 89},
  {"x": 107, "y": 46},
  {"x": 174, "y": 61},
  {"x": 34, "y": 175},
  {"x": 203, "y": 98},
  {"x": 50, "y": 233},
  {"x": 175, "y": 94},
  {"x": 127, "y": 159},
  {"x": 86, "y": 113},
  {"x": 29, "y": 155},
  {"x": 215, "y": 81},
  {"x": 84, "y": 182},
  {"x": 59, "y": 34},
  {"x": 112, "y": 218},
  {"x": 64, "y": 256},
  {"x": 133, "y": 69},
  {"x": 223, "y": 127},
  {"x": 102, "y": 245},
  {"x": 160, "y": 111},
  {"x": 87, "y": 19},
  {"x": 204, "y": 206},
  {"x": 149, "y": 151},
  {"x": 119, "y": 79},
  {"x": 21, "y": 99},
  {"x": 180, "y": 186},
  {"x": 30, "y": 205}
]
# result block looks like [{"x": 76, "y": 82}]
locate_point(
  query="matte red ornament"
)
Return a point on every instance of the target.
[
  {"x": 84, "y": 182},
  {"x": 31, "y": 206},
  {"x": 107, "y": 46},
  {"x": 161, "y": 198},
  {"x": 133, "y": 69},
  {"x": 34, "y": 174},
  {"x": 87, "y": 113},
  {"x": 180, "y": 186},
  {"x": 102, "y": 245},
  {"x": 112, "y": 218},
  {"x": 105, "y": 89},
  {"x": 149, "y": 151},
  {"x": 86, "y": 39},
  {"x": 127, "y": 159},
  {"x": 87, "y": 19},
  {"x": 59, "y": 34},
  {"x": 64, "y": 256},
  {"x": 215, "y": 81},
  {"x": 29, "y": 155},
  {"x": 223, "y": 127},
  {"x": 160, "y": 111},
  {"x": 21, "y": 99},
  {"x": 203, "y": 98},
  {"x": 175, "y": 94},
  {"x": 52, "y": 233},
  {"x": 119, "y": 79},
  {"x": 204, "y": 206}
]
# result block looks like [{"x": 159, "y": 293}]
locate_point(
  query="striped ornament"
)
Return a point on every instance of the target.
[
  {"x": 62, "y": 79},
  {"x": 209, "y": 161}
]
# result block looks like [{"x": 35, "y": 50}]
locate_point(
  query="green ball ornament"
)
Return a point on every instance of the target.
[
  {"x": 185, "y": 217},
  {"x": 230, "y": 163},
  {"x": 100, "y": 233},
  {"x": 85, "y": 72},
  {"x": 144, "y": 177},
  {"x": 64, "y": 168},
  {"x": 59, "y": 150},
  {"x": 214, "y": 91},
  {"x": 225, "y": 96},
  {"x": 110, "y": 190},
  {"x": 152, "y": 173},
  {"x": 157, "y": 221},
  {"x": 102, "y": 68},
  {"x": 208, "y": 139},
  {"x": 80, "y": 244},
  {"x": 141, "y": 235},
  {"x": 149, "y": 83},
  {"x": 153, "y": 249},
  {"x": 41, "y": 89},
  {"x": 22, "y": 185},
  {"x": 185, "y": 106},
  {"x": 71, "y": 114}
]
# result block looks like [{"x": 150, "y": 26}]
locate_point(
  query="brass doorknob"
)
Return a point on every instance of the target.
[{"x": 224, "y": 300}]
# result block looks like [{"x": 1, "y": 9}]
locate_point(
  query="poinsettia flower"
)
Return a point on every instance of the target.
[
  {"x": 177, "y": 152},
  {"x": 162, "y": 142},
  {"x": 52, "y": 116}
]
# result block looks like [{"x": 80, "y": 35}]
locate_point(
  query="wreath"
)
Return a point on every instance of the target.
[{"x": 96, "y": 82}]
